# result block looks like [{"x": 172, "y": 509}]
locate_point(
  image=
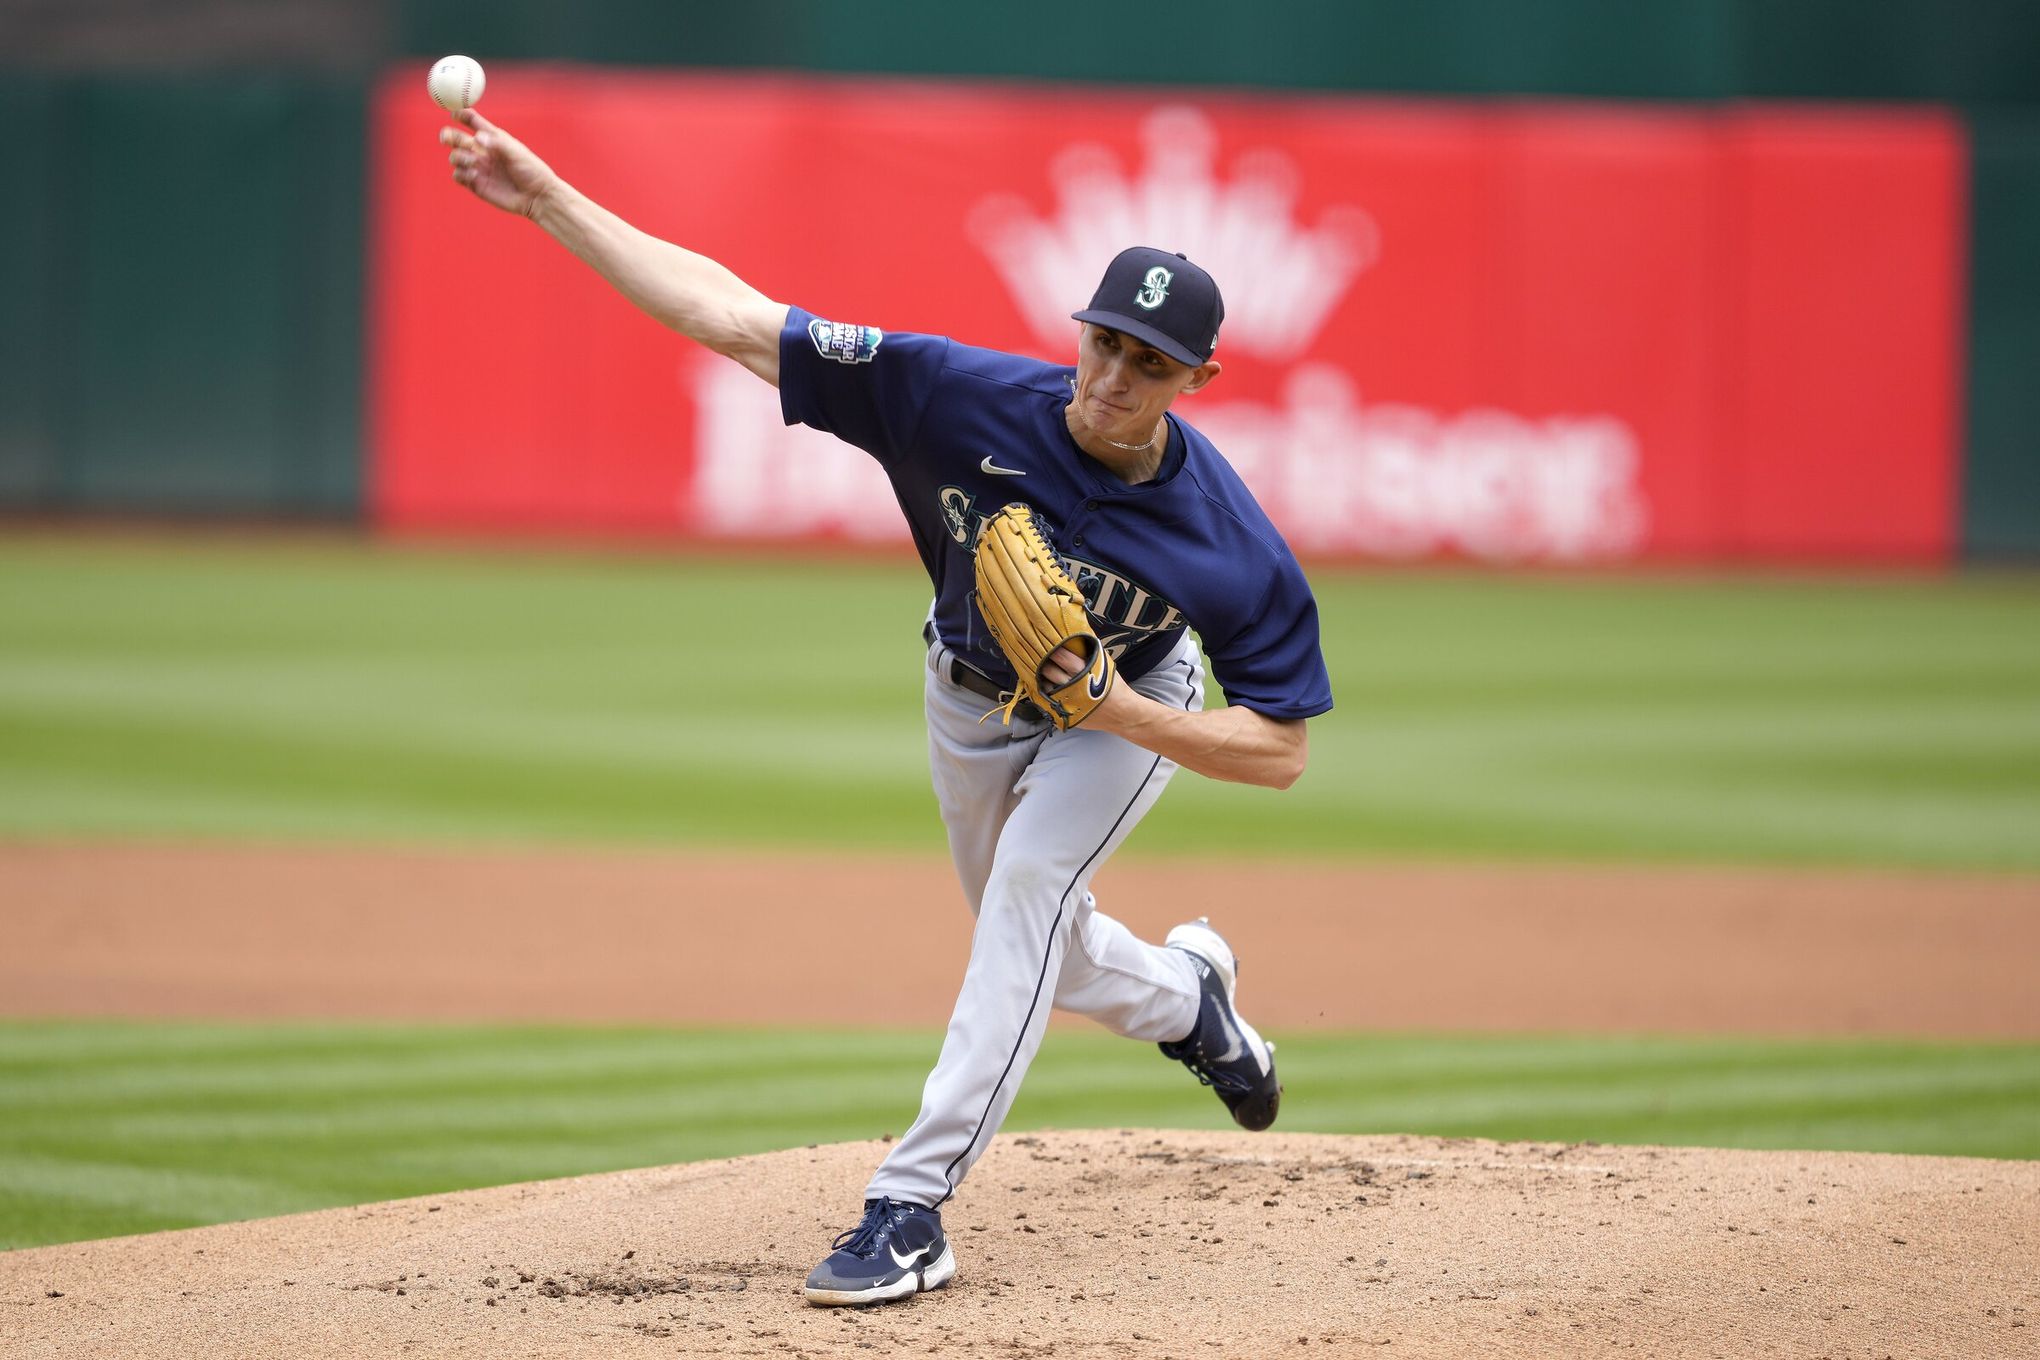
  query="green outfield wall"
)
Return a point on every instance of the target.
[
  {"x": 182, "y": 263},
  {"x": 1974, "y": 54},
  {"x": 183, "y": 255},
  {"x": 2001, "y": 483},
  {"x": 1959, "y": 51}
]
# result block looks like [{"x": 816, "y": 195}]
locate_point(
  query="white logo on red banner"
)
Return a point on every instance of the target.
[
  {"x": 1281, "y": 279},
  {"x": 1390, "y": 481},
  {"x": 1337, "y": 476}
]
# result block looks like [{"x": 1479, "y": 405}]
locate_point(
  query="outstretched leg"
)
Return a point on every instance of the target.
[{"x": 1074, "y": 800}]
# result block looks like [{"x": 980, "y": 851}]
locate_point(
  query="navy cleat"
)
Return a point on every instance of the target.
[
  {"x": 898, "y": 1251},
  {"x": 1223, "y": 1050}
]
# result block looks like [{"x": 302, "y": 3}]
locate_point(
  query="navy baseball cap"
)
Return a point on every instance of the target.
[{"x": 1159, "y": 298}]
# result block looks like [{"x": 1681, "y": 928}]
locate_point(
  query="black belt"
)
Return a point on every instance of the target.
[{"x": 959, "y": 672}]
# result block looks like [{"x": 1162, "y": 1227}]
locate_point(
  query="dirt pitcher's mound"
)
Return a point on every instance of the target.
[{"x": 1120, "y": 1244}]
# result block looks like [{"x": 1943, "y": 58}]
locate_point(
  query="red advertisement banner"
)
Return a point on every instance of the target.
[{"x": 1510, "y": 333}]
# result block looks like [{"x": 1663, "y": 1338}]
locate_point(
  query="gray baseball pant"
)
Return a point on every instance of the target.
[{"x": 1031, "y": 814}]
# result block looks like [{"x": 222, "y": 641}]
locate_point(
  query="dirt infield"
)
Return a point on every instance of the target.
[
  {"x": 1127, "y": 1244},
  {"x": 239, "y": 932},
  {"x": 1122, "y": 1244}
]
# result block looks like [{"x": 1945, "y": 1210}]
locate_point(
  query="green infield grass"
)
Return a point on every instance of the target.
[
  {"x": 109, "y": 1128},
  {"x": 303, "y": 691}
]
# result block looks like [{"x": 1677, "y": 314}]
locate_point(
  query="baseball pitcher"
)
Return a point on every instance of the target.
[{"x": 1076, "y": 532}]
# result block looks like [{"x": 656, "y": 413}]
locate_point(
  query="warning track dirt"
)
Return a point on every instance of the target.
[{"x": 583, "y": 935}]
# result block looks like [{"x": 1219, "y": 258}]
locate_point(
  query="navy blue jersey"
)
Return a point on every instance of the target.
[{"x": 962, "y": 431}]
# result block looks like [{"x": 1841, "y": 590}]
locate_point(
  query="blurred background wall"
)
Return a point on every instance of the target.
[{"x": 184, "y": 259}]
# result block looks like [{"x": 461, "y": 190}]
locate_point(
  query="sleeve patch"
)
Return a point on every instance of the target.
[{"x": 846, "y": 344}]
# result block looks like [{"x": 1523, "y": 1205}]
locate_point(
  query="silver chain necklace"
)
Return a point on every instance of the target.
[{"x": 1136, "y": 448}]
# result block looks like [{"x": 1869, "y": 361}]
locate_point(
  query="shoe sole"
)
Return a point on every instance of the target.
[{"x": 938, "y": 1274}]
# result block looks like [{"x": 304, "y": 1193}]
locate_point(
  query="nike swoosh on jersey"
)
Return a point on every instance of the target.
[
  {"x": 989, "y": 466},
  {"x": 907, "y": 1262}
]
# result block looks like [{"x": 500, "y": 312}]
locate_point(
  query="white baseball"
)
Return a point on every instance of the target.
[{"x": 456, "y": 83}]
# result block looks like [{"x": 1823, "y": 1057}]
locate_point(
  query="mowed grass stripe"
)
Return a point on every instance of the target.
[
  {"x": 301, "y": 692},
  {"x": 110, "y": 1127}
]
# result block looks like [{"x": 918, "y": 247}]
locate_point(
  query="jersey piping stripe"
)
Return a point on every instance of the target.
[{"x": 949, "y": 1171}]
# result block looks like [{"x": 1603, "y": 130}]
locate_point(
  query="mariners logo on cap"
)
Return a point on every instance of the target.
[{"x": 1154, "y": 289}]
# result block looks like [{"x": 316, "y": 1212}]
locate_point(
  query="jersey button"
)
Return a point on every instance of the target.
[
  {"x": 1090, "y": 505},
  {"x": 1078, "y": 541}
]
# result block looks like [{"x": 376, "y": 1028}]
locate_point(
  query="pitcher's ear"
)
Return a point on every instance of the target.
[{"x": 1201, "y": 376}]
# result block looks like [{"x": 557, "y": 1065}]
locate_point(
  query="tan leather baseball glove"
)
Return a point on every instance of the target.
[{"x": 1032, "y": 605}]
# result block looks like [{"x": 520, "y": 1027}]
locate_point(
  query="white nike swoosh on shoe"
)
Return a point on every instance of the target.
[
  {"x": 1235, "y": 1045},
  {"x": 907, "y": 1262},
  {"x": 989, "y": 466}
]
